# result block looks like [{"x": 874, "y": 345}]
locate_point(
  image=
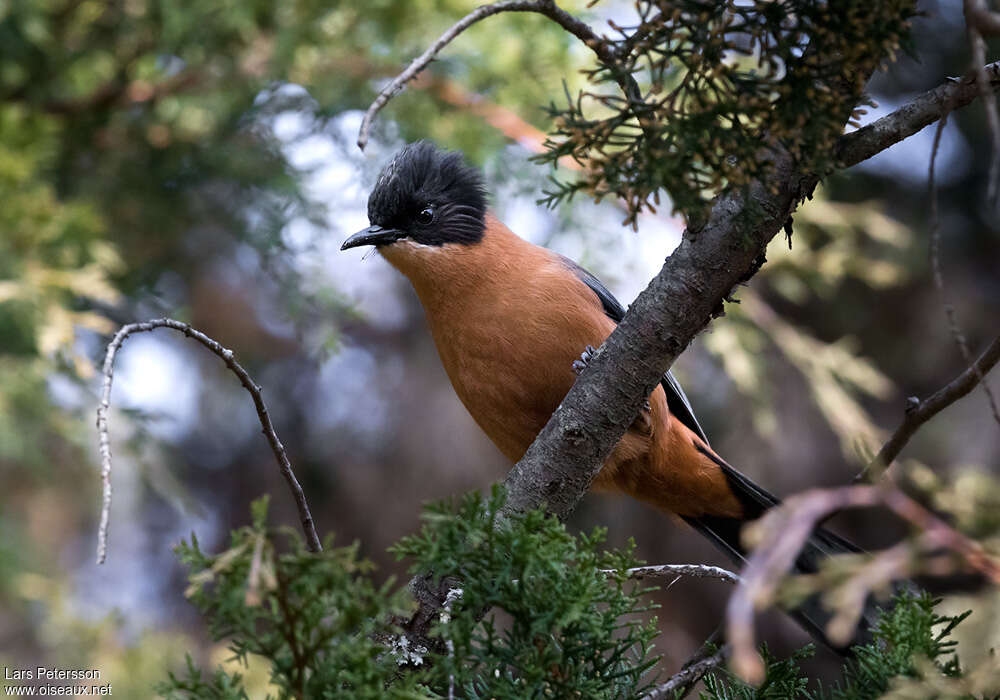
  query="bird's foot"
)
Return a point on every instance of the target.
[{"x": 585, "y": 357}]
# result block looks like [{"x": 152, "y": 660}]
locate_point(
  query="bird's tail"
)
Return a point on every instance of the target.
[{"x": 725, "y": 535}]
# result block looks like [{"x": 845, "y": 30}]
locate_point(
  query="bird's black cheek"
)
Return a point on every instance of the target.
[{"x": 429, "y": 237}]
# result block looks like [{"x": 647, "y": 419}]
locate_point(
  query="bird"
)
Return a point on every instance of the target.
[{"x": 515, "y": 323}]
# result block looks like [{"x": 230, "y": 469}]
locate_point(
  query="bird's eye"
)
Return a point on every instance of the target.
[{"x": 426, "y": 216}]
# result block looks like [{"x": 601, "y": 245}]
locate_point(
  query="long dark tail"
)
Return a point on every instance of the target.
[{"x": 725, "y": 534}]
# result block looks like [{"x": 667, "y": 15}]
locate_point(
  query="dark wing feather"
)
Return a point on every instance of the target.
[
  {"x": 677, "y": 400},
  {"x": 725, "y": 532}
]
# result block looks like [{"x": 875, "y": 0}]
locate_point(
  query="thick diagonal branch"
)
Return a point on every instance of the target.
[
  {"x": 308, "y": 527},
  {"x": 678, "y": 303}
]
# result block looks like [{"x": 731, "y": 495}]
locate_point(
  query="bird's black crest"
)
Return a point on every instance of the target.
[{"x": 420, "y": 176}]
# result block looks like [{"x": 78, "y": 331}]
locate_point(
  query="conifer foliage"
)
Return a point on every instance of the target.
[
  {"x": 562, "y": 619},
  {"x": 713, "y": 83}
]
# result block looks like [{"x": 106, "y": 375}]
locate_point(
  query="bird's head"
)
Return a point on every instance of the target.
[{"x": 424, "y": 196}]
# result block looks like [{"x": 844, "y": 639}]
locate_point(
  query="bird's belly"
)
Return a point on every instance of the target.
[{"x": 511, "y": 385}]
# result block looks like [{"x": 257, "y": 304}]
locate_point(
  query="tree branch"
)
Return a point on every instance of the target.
[
  {"x": 784, "y": 529},
  {"x": 678, "y": 570},
  {"x": 687, "y": 676},
  {"x": 548, "y": 8},
  {"x": 678, "y": 303},
  {"x": 308, "y": 527},
  {"x": 921, "y": 111},
  {"x": 919, "y": 412}
]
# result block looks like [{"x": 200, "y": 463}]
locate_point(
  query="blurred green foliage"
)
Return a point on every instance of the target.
[
  {"x": 127, "y": 126},
  {"x": 839, "y": 244}
]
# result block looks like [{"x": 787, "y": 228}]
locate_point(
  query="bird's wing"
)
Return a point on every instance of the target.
[{"x": 677, "y": 400}]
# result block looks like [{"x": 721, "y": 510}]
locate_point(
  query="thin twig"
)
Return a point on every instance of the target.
[
  {"x": 934, "y": 249},
  {"x": 935, "y": 239},
  {"x": 687, "y": 676},
  {"x": 784, "y": 530},
  {"x": 979, "y": 20},
  {"x": 692, "y": 671},
  {"x": 921, "y": 111},
  {"x": 919, "y": 412},
  {"x": 985, "y": 20},
  {"x": 674, "y": 570},
  {"x": 308, "y": 527},
  {"x": 548, "y": 8},
  {"x": 709, "y": 647}
]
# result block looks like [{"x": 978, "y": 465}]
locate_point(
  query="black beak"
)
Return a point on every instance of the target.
[{"x": 373, "y": 235}]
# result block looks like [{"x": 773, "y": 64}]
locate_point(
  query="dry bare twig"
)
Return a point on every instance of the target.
[
  {"x": 985, "y": 20},
  {"x": 934, "y": 251},
  {"x": 783, "y": 530},
  {"x": 547, "y": 8},
  {"x": 919, "y": 412},
  {"x": 308, "y": 527},
  {"x": 978, "y": 18},
  {"x": 983, "y": 88},
  {"x": 979, "y": 21}
]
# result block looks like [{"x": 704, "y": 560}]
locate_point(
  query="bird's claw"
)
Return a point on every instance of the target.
[{"x": 585, "y": 357}]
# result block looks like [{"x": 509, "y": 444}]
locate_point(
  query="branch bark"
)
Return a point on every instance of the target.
[
  {"x": 679, "y": 302},
  {"x": 308, "y": 527},
  {"x": 919, "y": 412}
]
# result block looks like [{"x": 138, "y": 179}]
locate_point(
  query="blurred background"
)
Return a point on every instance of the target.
[{"x": 198, "y": 161}]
